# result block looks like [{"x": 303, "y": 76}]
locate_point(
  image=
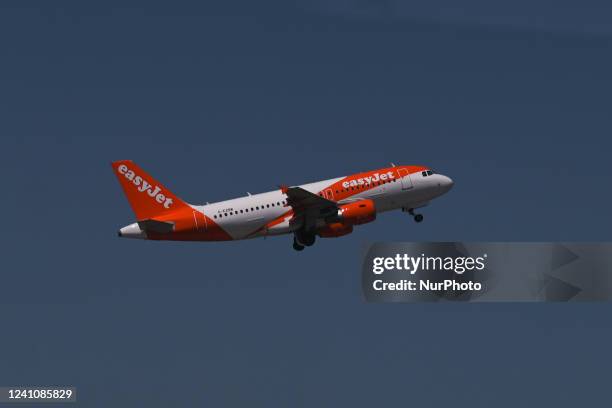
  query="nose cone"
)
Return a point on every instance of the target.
[{"x": 445, "y": 183}]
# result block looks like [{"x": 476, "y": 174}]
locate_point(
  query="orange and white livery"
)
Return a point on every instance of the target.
[{"x": 329, "y": 208}]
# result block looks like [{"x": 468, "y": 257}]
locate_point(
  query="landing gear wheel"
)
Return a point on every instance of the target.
[
  {"x": 417, "y": 217},
  {"x": 309, "y": 240},
  {"x": 297, "y": 246},
  {"x": 305, "y": 239}
]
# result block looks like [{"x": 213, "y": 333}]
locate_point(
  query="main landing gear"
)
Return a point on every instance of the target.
[
  {"x": 297, "y": 246},
  {"x": 417, "y": 217},
  {"x": 302, "y": 239}
]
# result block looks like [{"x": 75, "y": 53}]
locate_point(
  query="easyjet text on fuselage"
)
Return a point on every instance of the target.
[{"x": 374, "y": 178}]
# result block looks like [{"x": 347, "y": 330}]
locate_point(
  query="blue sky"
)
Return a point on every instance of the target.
[{"x": 512, "y": 102}]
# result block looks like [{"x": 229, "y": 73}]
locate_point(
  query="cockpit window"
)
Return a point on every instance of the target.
[
  {"x": 424, "y": 174},
  {"x": 429, "y": 172}
]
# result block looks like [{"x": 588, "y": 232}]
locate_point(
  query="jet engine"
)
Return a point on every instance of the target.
[
  {"x": 334, "y": 230},
  {"x": 359, "y": 212}
]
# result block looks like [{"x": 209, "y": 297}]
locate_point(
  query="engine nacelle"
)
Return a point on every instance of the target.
[
  {"x": 359, "y": 212},
  {"x": 334, "y": 230}
]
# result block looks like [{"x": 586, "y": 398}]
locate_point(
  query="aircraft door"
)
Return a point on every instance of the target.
[
  {"x": 199, "y": 221},
  {"x": 405, "y": 179}
]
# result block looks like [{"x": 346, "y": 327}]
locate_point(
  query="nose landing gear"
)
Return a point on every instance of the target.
[{"x": 417, "y": 217}]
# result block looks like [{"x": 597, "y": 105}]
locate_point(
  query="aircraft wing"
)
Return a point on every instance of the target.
[{"x": 308, "y": 206}]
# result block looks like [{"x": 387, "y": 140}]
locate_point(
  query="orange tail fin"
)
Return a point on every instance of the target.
[{"x": 147, "y": 197}]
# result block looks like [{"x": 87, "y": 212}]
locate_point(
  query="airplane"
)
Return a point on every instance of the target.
[{"x": 327, "y": 209}]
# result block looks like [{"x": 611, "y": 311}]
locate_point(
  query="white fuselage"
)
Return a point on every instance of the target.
[{"x": 250, "y": 216}]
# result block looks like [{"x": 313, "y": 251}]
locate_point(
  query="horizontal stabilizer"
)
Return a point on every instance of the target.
[{"x": 161, "y": 227}]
